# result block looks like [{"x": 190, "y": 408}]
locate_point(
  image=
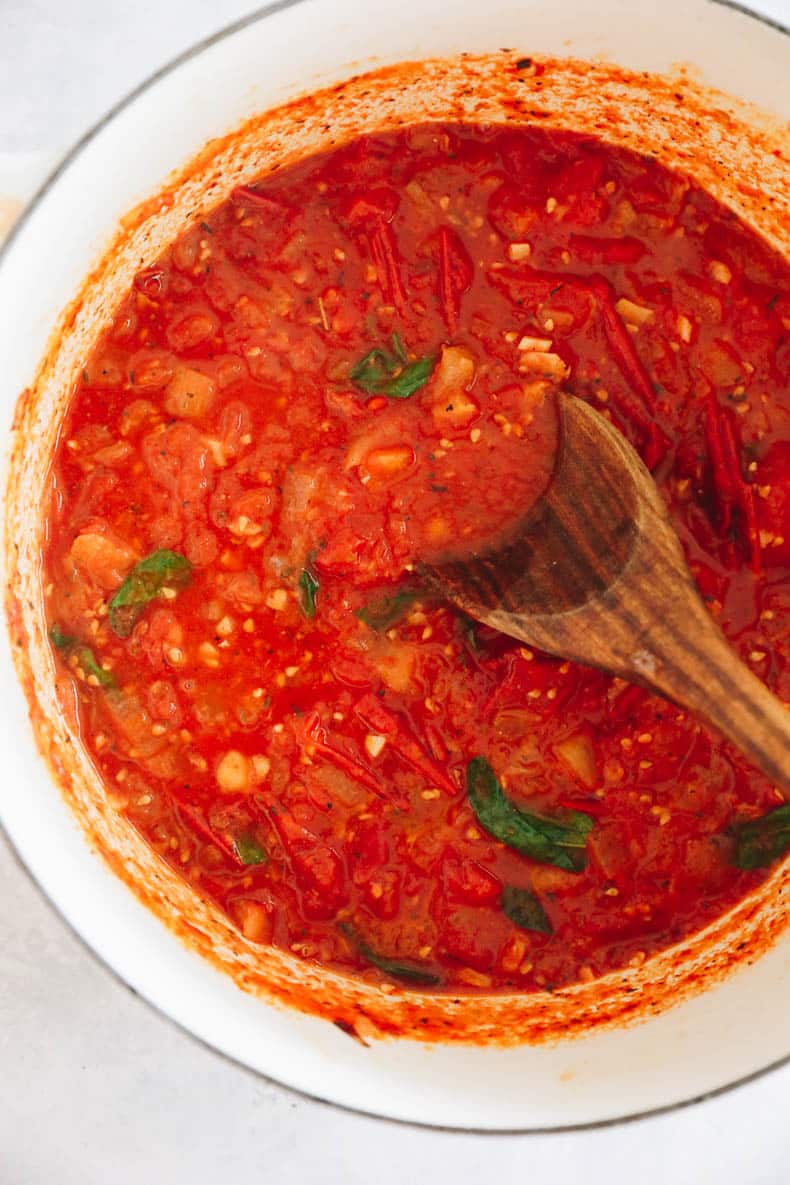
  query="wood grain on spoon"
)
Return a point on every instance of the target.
[{"x": 595, "y": 573}]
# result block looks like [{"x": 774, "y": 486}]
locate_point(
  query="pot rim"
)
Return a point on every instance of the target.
[{"x": 260, "y": 15}]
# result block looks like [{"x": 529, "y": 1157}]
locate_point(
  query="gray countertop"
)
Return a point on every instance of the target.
[{"x": 96, "y": 1088}]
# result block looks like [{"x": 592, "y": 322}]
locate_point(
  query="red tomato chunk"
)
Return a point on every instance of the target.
[{"x": 352, "y": 366}]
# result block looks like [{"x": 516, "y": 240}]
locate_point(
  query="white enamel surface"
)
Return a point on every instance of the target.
[{"x": 678, "y": 1056}]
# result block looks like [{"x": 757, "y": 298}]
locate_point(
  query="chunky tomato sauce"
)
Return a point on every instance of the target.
[{"x": 347, "y": 369}]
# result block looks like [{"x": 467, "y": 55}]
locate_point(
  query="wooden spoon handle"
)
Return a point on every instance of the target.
[
  {"x": 657, "y": 631},
  {"x": 651, "y": 626},
  {"x": 597, "y": 574},
  {"x": 683, "y": 655}
]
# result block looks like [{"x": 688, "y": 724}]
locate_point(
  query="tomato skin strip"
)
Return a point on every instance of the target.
[
  {"x": 544, "y": 284},
  {"x": 731, "y": 490},
  {"x": 633, "y": 371},
  {"x": 749, "y": 508},
  {"x": 621, "y": 343},
  {"x": 379, "y": 719},
  {"x": 720, "y": 463},
  {"x": 315, "y": 736},
  {"x": 435, "y": 742},
  {"x": 370, "y": 215},
  {"x": 199, "y": 824},
  {"x": 246, "y": 195},
  {"x": 456, "y": 272},
  {"x": 381, "y": 241},
  {"x": 744, "y": 494}
]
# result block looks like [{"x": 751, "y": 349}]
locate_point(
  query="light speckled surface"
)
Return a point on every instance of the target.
[{"x": 96, "y": 1088}]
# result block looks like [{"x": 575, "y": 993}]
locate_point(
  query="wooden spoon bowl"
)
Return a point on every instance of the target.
[{"x": 594, "y": 572}]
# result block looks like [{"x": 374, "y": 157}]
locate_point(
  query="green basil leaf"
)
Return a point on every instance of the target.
[
  {"x": 308, "y": 590},
  {"x": 249, "y": 850},
  {"x": 87, "y": 660},
  {"x": 525, "y": 909},
  {"x": 145, "y": 581},
  {"x": 389, "y": 966},
  {"x": 400, "y": 350},
  {"x": 380, "y": 373},
  {"x": 763, "y": 840},
  {"x": 84, "y": 655},
  {"x": 60, "y": 640},
  {"x": 410, "y": 379},
  {"x": 373, "y": 371},
  {"x": 381, "y": 614},
  {"x": 561, "y": 843}
]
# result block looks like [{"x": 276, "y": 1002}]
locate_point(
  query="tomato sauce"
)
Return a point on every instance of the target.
[{"x": 347, "y": 369}]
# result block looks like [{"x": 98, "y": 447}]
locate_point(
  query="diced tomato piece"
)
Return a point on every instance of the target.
[
  {"x": 352, "y": 671},
  {"x": 575, "y": 186},
  {"x": 102, "y": 556},
  {"x": 372, "y": 205},
  {"x": 578, "y": 177},
  {"x": 607, "y": 250},
  {"x": 180, "y": 461},
  {"x": 465, "y": 941},
  {"x": 466, "y": 881},
  {"x": 317, "y": 866},
  {"x": 163, "y": 702},
  {"x": 511, "y": 213}
]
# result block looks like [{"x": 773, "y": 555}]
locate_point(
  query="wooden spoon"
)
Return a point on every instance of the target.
[{"x": 595, "y": 572}]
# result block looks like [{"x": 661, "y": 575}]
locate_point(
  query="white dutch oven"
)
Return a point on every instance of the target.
[{"x": 582, "y": 1062}]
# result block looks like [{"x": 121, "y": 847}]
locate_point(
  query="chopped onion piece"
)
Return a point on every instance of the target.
[
  {"x": 374, "y": 743},
  {"x": 634, "y": 314},
  {"x": 577, "y": 754}
]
